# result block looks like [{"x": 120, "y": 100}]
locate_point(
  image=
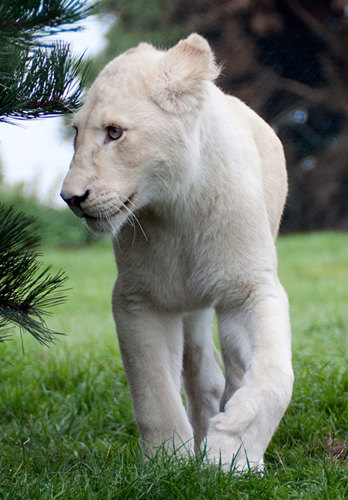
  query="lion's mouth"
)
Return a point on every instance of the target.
[{"x": 124, "y": 208}]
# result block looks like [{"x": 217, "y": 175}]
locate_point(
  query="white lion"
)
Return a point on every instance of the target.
[{"x": 191, "y": 184}]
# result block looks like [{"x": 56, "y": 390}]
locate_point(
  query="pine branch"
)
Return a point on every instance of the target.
[
  {"x": 46, "y": 82},
  {"x": 39, "y": 79},
  {"x": 26, "y": 288},
  {"x": 28, "y": 20},
  {"x": 12, "y": 223}
]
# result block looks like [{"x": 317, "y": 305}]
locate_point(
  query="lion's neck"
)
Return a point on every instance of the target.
[{"x": 203, "y": 194}]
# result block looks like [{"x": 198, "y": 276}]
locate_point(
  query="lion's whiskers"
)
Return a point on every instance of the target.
[
  {"x": 132, "y": 216},
  {"x": 107, "y": 216}
]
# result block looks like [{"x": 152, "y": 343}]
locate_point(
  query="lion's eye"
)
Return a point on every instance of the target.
[{"x": 114, "y": 132}]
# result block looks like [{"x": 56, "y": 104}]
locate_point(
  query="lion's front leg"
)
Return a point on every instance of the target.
[
  {"x": 241, "y": 432},
  {"x": 151, "y": 346},
  {"x": 202, "y": 375}
]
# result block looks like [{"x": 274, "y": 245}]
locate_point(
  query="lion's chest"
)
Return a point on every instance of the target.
[
  {"x": 172, "y": 271},
  {"x": 191, "y": 267}
]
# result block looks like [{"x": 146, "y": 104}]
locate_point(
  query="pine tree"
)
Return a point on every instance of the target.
[{"x": 37, "y": 79}]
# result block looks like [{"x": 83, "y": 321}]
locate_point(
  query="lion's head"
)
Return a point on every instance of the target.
[{"x": 137, "y": 139}]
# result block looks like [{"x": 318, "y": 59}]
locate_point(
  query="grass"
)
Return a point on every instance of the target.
[{"x": 67, "y": 428}]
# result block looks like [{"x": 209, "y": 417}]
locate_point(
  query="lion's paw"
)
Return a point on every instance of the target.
[{"x": 238, "y": 451}]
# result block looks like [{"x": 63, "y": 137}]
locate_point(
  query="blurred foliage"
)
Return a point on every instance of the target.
[
  {"x": 135, "y": 21},
  {"x": 287, "y": 59}
]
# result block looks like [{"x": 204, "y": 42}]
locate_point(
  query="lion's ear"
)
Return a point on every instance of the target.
[
  {"x": 179, "y": 82},
  {"x": 145, "y": 46}
]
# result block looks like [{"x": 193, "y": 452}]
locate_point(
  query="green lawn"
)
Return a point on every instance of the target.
[{"x": 67, "y": 429}]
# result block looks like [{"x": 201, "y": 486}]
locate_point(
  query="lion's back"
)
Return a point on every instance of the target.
[{"x": 272, "y": 161}]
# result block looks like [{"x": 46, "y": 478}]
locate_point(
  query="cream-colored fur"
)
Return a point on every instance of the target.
[{"x": 201, "y": 183}]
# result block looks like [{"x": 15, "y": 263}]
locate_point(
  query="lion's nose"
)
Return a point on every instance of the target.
[{"x": 75, "y": 201}]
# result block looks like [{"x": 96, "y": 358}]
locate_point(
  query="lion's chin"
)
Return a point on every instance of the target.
[
  {"x": 97, "y": 226},
  {"x": 111, "y": 223},
  {"x": 106, "y": 226}
]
